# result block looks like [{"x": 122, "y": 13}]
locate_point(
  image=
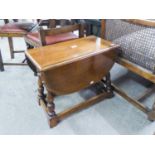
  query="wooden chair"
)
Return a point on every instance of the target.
[
  {"x": 58, "y": 31},
  {"x": 52, "y": 36},
  {"x": 16, "y": 29},
  {"x": 6, "y": 31},
  {"x": 10, "y": 30},
  {"x": 137, "y": 44}
]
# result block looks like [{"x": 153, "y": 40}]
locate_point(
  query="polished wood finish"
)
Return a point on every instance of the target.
[
  {"x": 59, "y": 54},
  {"x": 70, "y": 66},
  {"x": 136, "y": 69}
]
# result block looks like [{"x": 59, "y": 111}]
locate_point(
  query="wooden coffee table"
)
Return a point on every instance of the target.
[{"x": 70, "y": 66}]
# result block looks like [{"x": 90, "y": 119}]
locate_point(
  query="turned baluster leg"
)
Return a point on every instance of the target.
[
  {"x": 108, "y": 86},
  {"x": 53, "y": 119},
  {"x": 41, "y": 95}
]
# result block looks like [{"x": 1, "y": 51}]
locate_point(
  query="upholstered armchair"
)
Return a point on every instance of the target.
[{"x": 137, "y": 52}]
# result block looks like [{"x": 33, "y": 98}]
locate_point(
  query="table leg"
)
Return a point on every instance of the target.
[
  {"x": 1, "y": 62},
  {"x": 48, "y": 102},
  {"x": 107, "y": 84},
  {"x": 41, "y": 95},
  {"x": 53, "y": 118}
]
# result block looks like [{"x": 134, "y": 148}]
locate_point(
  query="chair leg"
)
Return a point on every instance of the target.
[
  {"x": 10, "y": 39},
  {"x": 1, "y": 62},
  {"x": 147, "y": 93},
  {"x": 24, "y": 60},
  {"x": 151, "y": 114}
]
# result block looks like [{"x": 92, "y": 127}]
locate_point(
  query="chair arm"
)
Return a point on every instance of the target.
[{"x": 142, "y": 22}]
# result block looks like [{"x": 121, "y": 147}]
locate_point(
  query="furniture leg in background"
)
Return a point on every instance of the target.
[
  {"x": 10, "y": 40},
  {"x": 12, "y": 51},
  {"x": 1, "y": 62},
  {"x": 151, "y": 114}
]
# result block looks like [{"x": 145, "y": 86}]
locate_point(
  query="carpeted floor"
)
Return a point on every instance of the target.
[{"x": 20, "y": 113}]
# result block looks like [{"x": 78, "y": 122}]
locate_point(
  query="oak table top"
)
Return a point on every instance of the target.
[{"x": 51, "y": 56}]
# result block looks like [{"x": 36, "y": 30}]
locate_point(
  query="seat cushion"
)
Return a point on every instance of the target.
[
  {"x": 8, "y": 30},
  {"x": 20, "y": 27},
  {"x": 52, "y": 39},
  {"x": 139, "y": 47}
]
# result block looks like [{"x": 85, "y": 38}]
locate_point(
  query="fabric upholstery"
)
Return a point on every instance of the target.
[
  {"x": 52, "y": 39},
  {"x": 116, "y": 28},
  {"x": 27, "y": 26},
  {"x": 11, "y": 30},
  {"x": 137, "y": 42},
  {"x": 20, "y": 27}
]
